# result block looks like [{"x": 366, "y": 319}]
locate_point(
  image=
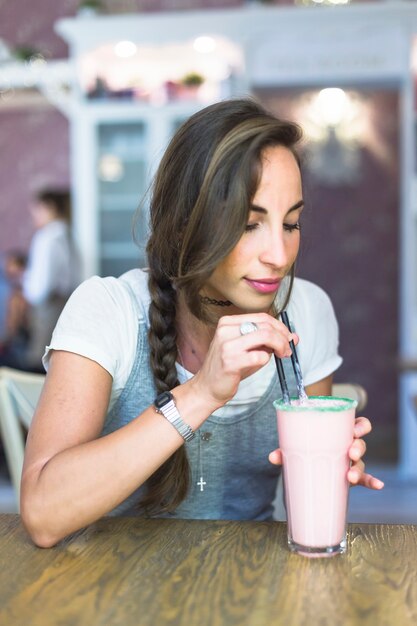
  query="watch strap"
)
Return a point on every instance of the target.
[{"x": 165, "y": 405}]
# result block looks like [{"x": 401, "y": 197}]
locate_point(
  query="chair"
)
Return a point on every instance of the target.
[
  {"x": 19, "y": 394},
  {"x": 352, "y": 391}
]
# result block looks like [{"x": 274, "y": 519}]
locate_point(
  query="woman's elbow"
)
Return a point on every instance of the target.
[
  {"x": 36, "y": 524},
  {"x": 40, "y": 537}
]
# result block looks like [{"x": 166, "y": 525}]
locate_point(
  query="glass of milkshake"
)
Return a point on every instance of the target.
[{"x": 315, "y": 436}]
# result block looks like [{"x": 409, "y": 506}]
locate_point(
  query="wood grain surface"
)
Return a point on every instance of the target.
[{"x": 140, "y": 572}]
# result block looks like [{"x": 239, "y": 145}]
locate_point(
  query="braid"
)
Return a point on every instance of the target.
[
  {"x": 162, "y": 333},
  {"x": 168, "y": 486}
]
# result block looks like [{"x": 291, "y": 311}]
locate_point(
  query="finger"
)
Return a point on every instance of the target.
[
  {"x": 248, "y": 362},
  {"x": 264, "y": 339},
  {"x": 355, "y": 472},
  {"x": 275, "y": 457},
  {"x": 357, "y": 450},
  {"x": 369, "y": 481},
  {"x": 295, "y": 338},
  {"x": 262, "y": 320},
  {"x": 232, "y": 331},
  {"x": 362, "y": 427}
]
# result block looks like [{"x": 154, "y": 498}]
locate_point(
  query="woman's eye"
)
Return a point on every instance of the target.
[
  {"x": 291, "y": 227},
  {"x": 250, "y": 227}
]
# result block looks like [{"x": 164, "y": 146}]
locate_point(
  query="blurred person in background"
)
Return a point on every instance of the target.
[
  {"x": 53, "y": 270},
  {"x": 15, "y": 335}
]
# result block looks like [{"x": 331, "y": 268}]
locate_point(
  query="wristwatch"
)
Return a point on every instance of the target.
[{"x": 165, "y": 405}]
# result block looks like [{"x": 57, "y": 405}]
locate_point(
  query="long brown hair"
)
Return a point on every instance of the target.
[{"x": 199, "y": 208}]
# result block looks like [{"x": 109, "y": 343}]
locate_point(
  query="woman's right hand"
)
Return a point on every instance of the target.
[{"x": 232, "y": 357}]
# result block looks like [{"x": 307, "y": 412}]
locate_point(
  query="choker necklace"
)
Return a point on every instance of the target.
[{"x": 207, "y": 300}]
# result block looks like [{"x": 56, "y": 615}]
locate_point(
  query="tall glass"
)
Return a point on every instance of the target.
[{"x": 315, "y": 437}]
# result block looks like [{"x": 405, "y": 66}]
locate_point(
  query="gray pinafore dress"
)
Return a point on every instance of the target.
[{"x": 231, "y": 477}]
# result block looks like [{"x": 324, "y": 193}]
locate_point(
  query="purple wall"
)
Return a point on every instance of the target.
[
  {"x": 34, "y": 148},
  {"x": 25, "y": 22},
  {"x": 350, "y": 236},
  {"x": 34, "y": 154}
]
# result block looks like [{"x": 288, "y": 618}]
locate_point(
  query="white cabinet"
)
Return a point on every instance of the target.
[
  {"x": 121, "y": 169},
  {"x": 138, "y": 78}
]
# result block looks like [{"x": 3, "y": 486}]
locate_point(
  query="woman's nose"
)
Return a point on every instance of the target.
[{"x": 275, "y": 251}]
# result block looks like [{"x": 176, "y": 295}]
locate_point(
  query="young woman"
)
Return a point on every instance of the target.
[{"x": 225, "y": 231}]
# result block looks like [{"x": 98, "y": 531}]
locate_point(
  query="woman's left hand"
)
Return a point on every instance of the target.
[{"x": 356, "y": 474}]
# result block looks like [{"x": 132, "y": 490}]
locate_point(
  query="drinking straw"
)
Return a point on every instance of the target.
[
  {"x": 294, "y": 360},
  {"x": 282, "y": 380}
]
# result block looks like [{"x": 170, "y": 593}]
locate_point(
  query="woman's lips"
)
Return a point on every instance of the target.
[{"x": 264, "y": 285}]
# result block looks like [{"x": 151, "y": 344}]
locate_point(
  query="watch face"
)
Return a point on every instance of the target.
[{"x": 163, "y": 399}]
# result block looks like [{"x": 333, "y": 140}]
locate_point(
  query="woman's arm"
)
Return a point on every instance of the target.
[
  {"x": 321, "y": 388},
  {"x": 71, "y": 477}
]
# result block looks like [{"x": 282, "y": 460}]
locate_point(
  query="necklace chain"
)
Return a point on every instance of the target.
[
  {"x": 205, "y": 436},
  {"x": 201, "y": 482}
]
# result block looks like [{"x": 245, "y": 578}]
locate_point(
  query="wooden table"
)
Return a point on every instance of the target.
[{"x": 205, "y": 573}]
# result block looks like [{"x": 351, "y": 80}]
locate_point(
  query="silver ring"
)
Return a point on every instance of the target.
[{"x": 247, "y": 327}]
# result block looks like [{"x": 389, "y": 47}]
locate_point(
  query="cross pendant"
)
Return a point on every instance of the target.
[{"x": 201, "y": 483}]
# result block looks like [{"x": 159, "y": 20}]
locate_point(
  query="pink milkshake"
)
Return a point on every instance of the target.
[{"x": 315, "y": 436}]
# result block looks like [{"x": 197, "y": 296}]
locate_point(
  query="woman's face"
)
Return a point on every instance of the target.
[{"x": 251, "y": 274}]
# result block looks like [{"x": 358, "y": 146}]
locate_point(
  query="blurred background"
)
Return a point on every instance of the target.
[{"x": 91, "y": 91}]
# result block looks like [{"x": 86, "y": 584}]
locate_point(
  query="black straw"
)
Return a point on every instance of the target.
[
  {"x": 282, "y": 380},
  {"x": 294, "y": 360}
]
